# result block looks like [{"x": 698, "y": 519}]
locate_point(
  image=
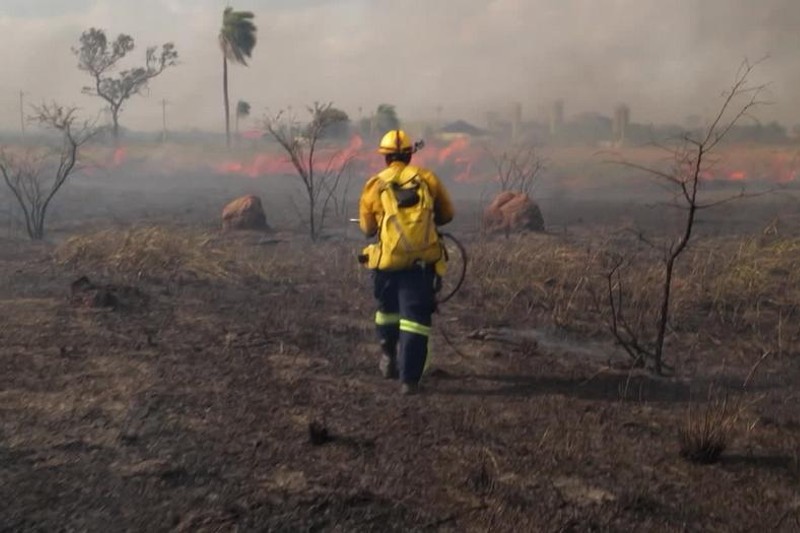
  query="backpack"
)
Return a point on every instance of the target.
[{"x": 407, "y": 234}]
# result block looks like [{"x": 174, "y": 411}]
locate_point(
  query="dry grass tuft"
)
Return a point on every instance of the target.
[
  {"x": 531, "y": 276},
  {"x": 744, "y": 285},
  {"x": 327, "y": 274},
  {"x": 150, "y": 252},
  {"x": 482, "y": 477},
  {"x": 758, "y": 273},
  {"x": 708, "y": 433}
]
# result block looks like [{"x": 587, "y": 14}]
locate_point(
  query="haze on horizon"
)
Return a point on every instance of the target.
[{"x": 665, "y": 60}]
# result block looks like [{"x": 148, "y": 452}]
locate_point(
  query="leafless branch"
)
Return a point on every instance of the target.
[
  {"x": 517, "y": 168},
  {"x": 301, "y": 144},
  {"x": 622, "y": 332},
  {"x": 743, "y": 194},
  {"x": 691, "y": 159},
  {"x": 26, "y": 174}
]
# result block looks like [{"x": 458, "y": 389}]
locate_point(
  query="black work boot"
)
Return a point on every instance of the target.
[
  {"x": 388, "y": 362},
  {"x": 409, "y": 389},
  {"x": 388, "y": 367}
]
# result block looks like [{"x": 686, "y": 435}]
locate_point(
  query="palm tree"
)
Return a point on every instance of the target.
[{"x": 237, "y": 38}]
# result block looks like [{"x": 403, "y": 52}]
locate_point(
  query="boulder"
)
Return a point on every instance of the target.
[
  {"x": 512, "y": 212},
  {"x": 244, "y": 213}
]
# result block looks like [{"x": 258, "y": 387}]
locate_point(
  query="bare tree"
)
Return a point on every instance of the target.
[
  {"x": 302, "y": 144},
  {"x": 692, "y": 158},
  {"x": 517, "y": 168},
  {"x": 35, "y": 176},
  {"x": 100, "y": 58}
]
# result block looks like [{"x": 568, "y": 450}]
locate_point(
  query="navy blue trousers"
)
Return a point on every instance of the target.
[{"x": 405, "y": 308}]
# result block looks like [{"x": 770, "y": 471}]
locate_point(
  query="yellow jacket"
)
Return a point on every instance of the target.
[{"x": 370, "y": 210}]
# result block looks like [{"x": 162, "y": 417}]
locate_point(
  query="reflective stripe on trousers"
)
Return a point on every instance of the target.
[
  {"x": 405, "y": 308},
  {"x": 418, "y": 329},
  {"x": 412, "y": 327},
  {"x": 387, "y": 319}
]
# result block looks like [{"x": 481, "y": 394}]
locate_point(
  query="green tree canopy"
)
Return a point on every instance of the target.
[
  {"x": 100, "y": 58},
  {"x": 386, "y": 119},
  {"x": 242, "y": 109},
  {"x": 336, "y": 122}
]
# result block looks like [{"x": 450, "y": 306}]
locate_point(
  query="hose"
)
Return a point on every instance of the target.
[{"x": 463, "y": 271}]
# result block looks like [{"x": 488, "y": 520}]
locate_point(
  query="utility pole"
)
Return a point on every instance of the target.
[
  {"x": 163, "y": 120},
  {"x": 22, "y": 112}
]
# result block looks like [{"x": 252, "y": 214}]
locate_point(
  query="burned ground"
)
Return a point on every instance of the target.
[{"x": 193, "y": 407}]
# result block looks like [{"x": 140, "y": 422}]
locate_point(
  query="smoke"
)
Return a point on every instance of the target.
[{"x": 666, "y": 60}]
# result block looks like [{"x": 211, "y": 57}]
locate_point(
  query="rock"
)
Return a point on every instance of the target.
[
  {"x": 244, "y": 213},
  {"x": 512, "y": 212},
  {"x": 576, "y": 491}
]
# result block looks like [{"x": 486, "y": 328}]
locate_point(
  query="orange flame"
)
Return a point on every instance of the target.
[
  {"x": 461, "y": 160},
  {"x": 738, "y": 175},
  {"x": 457, "y": 158},
  {"x": 119, "y": 157},
  {"x": 252, "y": 134},
  {"x": 260, "y": 165}
]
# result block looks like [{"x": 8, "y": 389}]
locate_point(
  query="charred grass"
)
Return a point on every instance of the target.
[
  {"x": 202, "y": 410},
  {"x": 735, "y": 296}
]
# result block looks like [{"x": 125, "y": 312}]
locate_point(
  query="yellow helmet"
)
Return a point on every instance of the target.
[{"x": 395, "y": 142}]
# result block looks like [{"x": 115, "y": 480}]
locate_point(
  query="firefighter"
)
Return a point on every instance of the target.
[{"x": 402, "y": 206}]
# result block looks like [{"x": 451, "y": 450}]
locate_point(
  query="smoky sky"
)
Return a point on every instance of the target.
[{"x": 666, "y": 60}]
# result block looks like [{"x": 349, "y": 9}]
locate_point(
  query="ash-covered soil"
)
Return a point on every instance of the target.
[{"x": 243, "y": 394}]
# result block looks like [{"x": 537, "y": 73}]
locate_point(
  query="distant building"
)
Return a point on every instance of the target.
[
  {"x": 556, "y": 117},
  {"x": 587, "y": 128},
  {"x": 459, "y": 129},
  {"x": 506, "y": 123},
  {"x": 622, "y": 120},
  {"x": 493, "y": 121},
  {"x": 516, "y": 120}
]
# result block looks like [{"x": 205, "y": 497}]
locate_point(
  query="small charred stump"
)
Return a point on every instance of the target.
[
  {"x": 85, "y": 293},
  {"x": 318, "y": 434}
]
